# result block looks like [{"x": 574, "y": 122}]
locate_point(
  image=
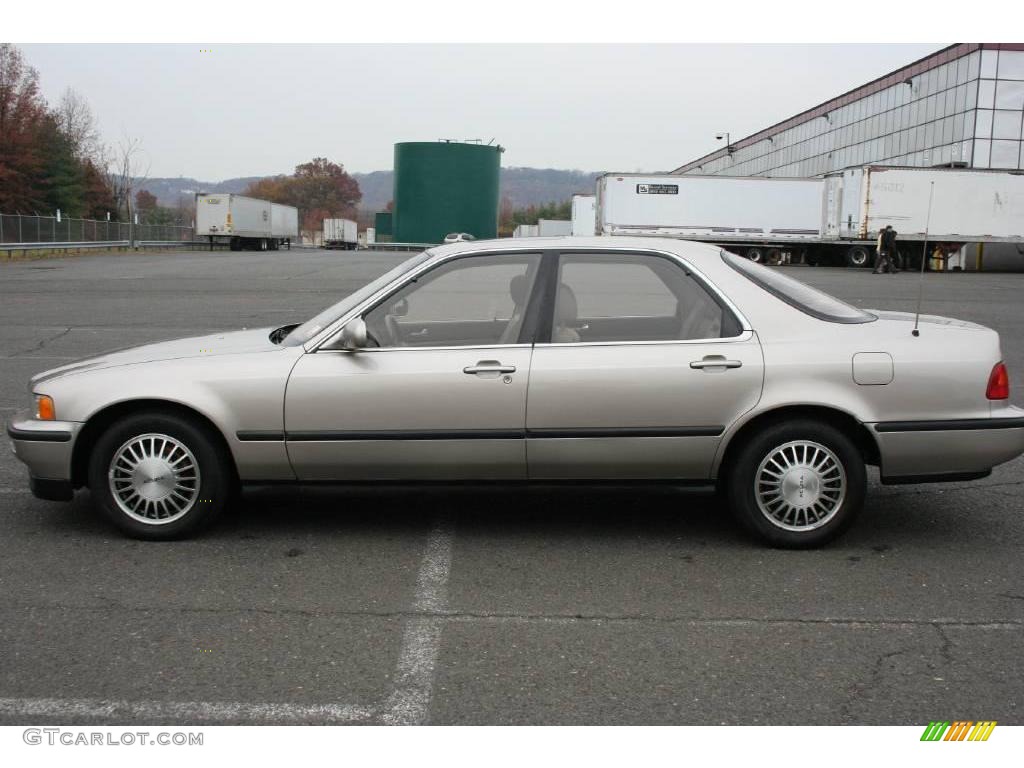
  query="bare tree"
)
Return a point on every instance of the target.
[
  {"x": 76, "y": 121},
  {"x": 127, "y": 171}
]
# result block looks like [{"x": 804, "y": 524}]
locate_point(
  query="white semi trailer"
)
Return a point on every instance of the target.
[
  {"x": 341, "y": 234},
  {"x": 835, "y": 219},
  {"x": 553, "y": 227},
  {"x": 245, "y": 223},
  {"x": 584, "y": 215}
]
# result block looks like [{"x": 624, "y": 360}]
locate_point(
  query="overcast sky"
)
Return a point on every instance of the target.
[{"x": 250, "y": 110}]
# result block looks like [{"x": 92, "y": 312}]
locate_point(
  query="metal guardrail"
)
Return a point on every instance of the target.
[
  {"x": 62, "y": 246},
  {"x": 93, "y": 245}
]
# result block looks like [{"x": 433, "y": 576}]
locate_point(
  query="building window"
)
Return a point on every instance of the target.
[
  {"x": 1009, "y": 94},
  {"x": 986, "y": 94},
  {"x": 1005, "y": 154},
  {"x": 983, "y": 124},
  {"x": 988, "y": 63},
  {"x": 1006, "y": 125},
  {"x": 1011, "y": 65},
  {"x": 981, "y": 150}
]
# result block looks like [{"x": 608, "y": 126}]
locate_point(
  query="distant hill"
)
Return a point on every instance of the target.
[
  {"x": 521, "y": 186},
  {"x": 168, "y": 191}
]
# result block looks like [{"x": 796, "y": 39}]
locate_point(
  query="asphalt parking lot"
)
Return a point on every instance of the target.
[{"x": 501, "y": 606}]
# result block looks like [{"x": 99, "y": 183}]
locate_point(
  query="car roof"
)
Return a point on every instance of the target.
[{"x": 688, "y": 248}]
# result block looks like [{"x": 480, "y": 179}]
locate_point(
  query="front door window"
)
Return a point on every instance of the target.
[{"x": 468, "y": 302}]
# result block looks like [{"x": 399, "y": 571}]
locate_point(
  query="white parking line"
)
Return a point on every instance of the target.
[
  {"x": 421, "y": 641},
  {"x": 407, "y": 705},
  {"x": 183, "y": 710}
]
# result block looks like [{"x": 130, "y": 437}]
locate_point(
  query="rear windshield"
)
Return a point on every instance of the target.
[{"x": 800, "y": 295}]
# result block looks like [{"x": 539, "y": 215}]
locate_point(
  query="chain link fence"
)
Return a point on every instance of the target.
[{"x": 16, "y": 228}]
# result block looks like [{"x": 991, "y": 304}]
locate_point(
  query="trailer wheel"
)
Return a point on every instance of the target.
[
  {"x": 755, "y": 255},
  {"x": 858, "y": 256},
  {"x": 774, "y": 256}
]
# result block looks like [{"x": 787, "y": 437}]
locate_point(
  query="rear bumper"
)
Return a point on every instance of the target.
[
  {"x": 45, "y": 447},
  {"x": 960, "y": 449}
]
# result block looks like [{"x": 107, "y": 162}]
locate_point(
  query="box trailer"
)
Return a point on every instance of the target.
[
  {"x": 553, "y": 227},
  {"x": 341, "y": 234},
  {"x": 966, "y": 205},
  {"x": 833, "y": 219},
  {"x": 244, "y": 223},
  {"x": 525, "y": 230},
  {"x": 720, "y": 208},
  {"x": 584, "y": 215},
  {"x": 284, "y": 223}
]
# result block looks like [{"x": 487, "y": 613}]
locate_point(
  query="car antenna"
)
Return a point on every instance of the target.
[{"x": 924, "y": 260}]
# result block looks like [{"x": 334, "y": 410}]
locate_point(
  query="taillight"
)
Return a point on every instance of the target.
[{"x": 998, "y": 383}]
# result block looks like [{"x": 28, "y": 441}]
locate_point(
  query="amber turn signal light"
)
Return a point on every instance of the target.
[{"x": 45, "y": 409}]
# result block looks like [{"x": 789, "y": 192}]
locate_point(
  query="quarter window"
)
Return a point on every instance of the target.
[{"x": 629, "y": 297}]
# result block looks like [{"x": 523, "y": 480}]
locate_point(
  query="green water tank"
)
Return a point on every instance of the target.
[
  {"x": 382, "y": 223},
  {"x": 443, "y": 187}
]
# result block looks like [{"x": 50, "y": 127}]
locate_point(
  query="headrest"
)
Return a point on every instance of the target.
[{"x": 566, "y": 309}]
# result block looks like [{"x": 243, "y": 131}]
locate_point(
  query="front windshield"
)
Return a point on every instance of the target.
[{"x": 314, "y": 325}]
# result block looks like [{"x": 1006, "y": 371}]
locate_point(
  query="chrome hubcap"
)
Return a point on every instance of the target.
[
  {"x": 154, "y": 479},
  {"x": 800, "y": 486}
]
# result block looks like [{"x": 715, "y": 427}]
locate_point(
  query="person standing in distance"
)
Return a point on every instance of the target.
[{"x": 886, "y": 248}]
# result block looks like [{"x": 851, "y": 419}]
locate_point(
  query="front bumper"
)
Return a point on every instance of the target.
[
  {"x": 45, "y": 447},
  {"x": 919, "y": 451}
]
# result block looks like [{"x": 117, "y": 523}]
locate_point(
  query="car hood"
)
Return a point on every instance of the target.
[{"x": 216, "y": 344}]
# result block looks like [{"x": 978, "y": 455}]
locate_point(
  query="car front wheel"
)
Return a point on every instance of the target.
[
  {"x": 797, "y": 484},
  {"x": 159, "y": 476}
]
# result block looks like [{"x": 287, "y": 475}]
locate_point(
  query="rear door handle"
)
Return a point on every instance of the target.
[
  {"x": 489, "y": 366},
  {"x": 715, "y": 361}
]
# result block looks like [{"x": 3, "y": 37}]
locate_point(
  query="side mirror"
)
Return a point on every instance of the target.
[{"x": 353, "y": 335}]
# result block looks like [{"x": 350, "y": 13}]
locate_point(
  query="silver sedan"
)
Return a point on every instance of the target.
[{"x": 580, "y": 360}]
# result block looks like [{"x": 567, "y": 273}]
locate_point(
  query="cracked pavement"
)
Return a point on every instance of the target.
[{"x": 618, "y": 606}]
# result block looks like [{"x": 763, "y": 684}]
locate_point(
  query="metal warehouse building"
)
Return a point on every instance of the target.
[{"x": 960, "y": 107}]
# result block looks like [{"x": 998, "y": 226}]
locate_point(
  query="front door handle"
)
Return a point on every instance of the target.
[
  {"x": 489, "y": 366},
  {"x": 715, "y": 361}
]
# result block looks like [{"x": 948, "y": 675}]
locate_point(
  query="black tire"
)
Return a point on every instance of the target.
[
  {"x": 858, "y": 256},
  {"x": 216, "y": 480},
  {"x": 773, "y": 257},
  {"x": 743, "y": 473}
]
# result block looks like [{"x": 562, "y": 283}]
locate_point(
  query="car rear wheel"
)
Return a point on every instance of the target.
[
  {"x": 797, "y": 484},
  {"x": 159, "y": 476}
]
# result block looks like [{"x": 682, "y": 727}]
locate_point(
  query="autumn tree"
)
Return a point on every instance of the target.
[
  {"x": 97, "y": 198},
  {"x": 321, "y": 184},
  {"x": 276, "y": 189},
  {"x": 320, "y": 189},
  {"x": 145, "y": 201},
  {"x": 50, "y": 159},
  {"x": 22, "y": 113}
]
